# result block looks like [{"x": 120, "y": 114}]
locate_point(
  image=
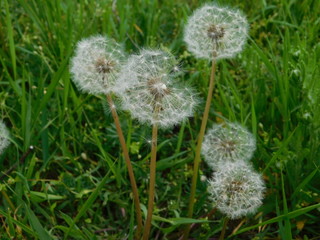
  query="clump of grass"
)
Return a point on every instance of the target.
[{"x": 74, "y": 179}]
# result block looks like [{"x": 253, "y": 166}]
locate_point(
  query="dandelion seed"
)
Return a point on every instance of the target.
[
  {"x": 216, "y": 32},
  {"x": 147, "y": 84},
  {"x": 96, "y": 64},
  {"x": 227, "y": 142},
  {"x": 4, "y": 137},
  {"x": 236, "y": 189}
]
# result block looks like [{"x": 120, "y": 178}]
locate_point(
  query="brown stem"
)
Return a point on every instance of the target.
[
  {"x": 197, "y": 158},
  {"x": 223, "y": 231},
  {"x": 153, "y": 161},
  {"x": 129, "y": 166}
]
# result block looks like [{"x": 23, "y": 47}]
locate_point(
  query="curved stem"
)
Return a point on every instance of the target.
[
  {"x": 197, "y": 158},
  {"x": 152, "y": 182},
  {"x": 129, "y": 166}
]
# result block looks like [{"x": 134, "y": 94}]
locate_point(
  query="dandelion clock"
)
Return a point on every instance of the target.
[
  {"x": 96, "y": 63},
  {"x": 236, "y": 189},
  {"x": 227, "y": 142},
  {"x": 150, "y": 92},
  {"x": 216, "y": 32}
]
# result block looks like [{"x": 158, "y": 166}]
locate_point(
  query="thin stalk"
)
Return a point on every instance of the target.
[
  {"x": 5, "y": 195},
  {"x": 223, "y": 231},
  {"x": 197, "y": 158},
  {"x": 147, "y": 225},
  {"x": 129, "y": 166},
  {"x": 180, "y": 137}
]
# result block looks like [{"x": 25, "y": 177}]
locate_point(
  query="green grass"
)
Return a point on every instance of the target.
[{"x": 75, "y": 180}]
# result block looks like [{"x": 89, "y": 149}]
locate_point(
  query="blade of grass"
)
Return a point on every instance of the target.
[
  {"x": 52, "y": 87},
  {"x": 280, "y": 150},
  {"x": 287, "y": 224},
  {"x": 24, "y": 227},
  {"x": 86, "y": 206},
  {"x": 304, "y": 182},
  {"x": 289, "y": 215},
  {"x": 11, "y": 40},
  {"x": 36, "y": 225}
]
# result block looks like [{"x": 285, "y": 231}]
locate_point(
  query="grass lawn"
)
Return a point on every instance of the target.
[{"x": 74, "y": 183}]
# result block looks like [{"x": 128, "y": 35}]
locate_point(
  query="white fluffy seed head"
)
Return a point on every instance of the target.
[
  {"x": 147, "y": 84},
  {"x": 236, "y": 189},
  {"x": 96, "y": 64},
  {"x": 227, "y": 142},
  {"x": 4, "y": 137},
  {"x": 215, "y": 32}
]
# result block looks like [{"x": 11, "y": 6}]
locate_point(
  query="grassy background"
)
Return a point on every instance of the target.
[{"x": 75, "y": 179}]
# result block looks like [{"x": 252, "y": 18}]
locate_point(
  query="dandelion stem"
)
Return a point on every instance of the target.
[
  {"x": 147, "y": 225},
  {"x": 198, "y": 149},
  {"x": 223, "y": 231},
  {"x": 129, "y": 166}
]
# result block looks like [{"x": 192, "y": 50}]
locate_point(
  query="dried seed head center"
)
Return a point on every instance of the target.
[
  {"x": 103, "y": 65},
  {"x": 157, "y": 88},
  {"x": 215, "y": 32},
  {"x": 228, "y": 146},
  {"x": 236, "y": 186},
  {"x": 233, "y": 189}
]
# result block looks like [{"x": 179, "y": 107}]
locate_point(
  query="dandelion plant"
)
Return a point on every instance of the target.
[
  {"x": 212, "y": 33},
  {"x": 95, "y": 68},
  {"x": 150, "y": 92},
  {"x": 235, "y": 188}
]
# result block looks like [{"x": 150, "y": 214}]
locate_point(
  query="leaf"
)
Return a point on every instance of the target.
[
  {"x": 290, "y": 215},
  {"x": 24, "y": 227},
  {"x": 179, "y": 221},
  {"x": 45, "y": 196},
  {"x": 36, "y": 225}
]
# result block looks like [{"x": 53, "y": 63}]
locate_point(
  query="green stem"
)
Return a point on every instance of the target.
[
  {"x": 152, "y": 182},
  {"x": 223, "y": 231},
  {"x": 180, "y": 137},
  {"x": 5, "y": 195},
  {"x": 129, "y": 166},
  {"x": 197, "y": 158}
]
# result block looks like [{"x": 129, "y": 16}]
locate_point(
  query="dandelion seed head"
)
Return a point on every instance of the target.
[
  {"x": 4, "y": 137},
  {"x": 227, "y": 142},
  {"x": 96, "y": 64},
  {"x": 148, "y": 82},
  {"x": 216, "y": 32},
  {"x": 236, "y": 189}
]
